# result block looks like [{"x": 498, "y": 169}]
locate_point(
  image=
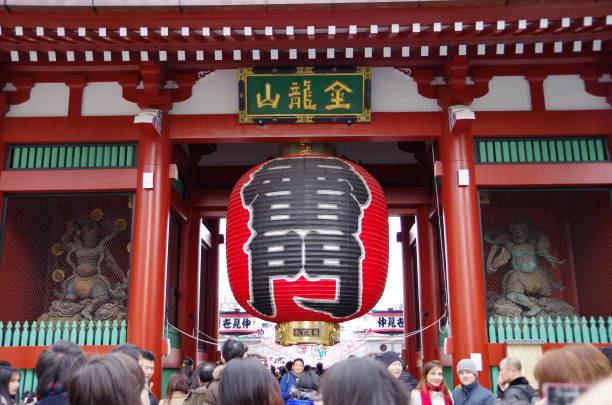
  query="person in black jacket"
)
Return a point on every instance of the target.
[
  {"x": 516, "y": 386},
  {"x": 470, "y": 392},
  {"x": 395, "y": 365}
]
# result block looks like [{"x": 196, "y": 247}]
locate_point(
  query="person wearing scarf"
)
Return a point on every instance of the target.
[{"x": 432, "y": 389}]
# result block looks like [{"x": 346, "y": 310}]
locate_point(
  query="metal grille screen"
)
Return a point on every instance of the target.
[
  {"x": 547, "y": 252},
  {"x": 65, "y": 257}
]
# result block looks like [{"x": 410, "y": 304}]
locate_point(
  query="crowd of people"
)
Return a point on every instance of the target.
[{"x": 67, "y": 377}]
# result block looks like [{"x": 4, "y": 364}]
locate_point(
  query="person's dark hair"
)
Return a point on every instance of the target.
[
  {"x": 4, "y": 363},
  {"x": 111, "y": 379},
  {"x": 146, "y": 354},
  {"x": 309, "y": 381},
  {"x": 289, "y": 365},
  {"x": 232, "y": 349},
  {"x": 187, "y": 361},
  {"x": 248, "y": 382},
  {"x": 205, "y": 372},
  {"x": 320, "y": 368},
  {"x": 56, "y": 364},
  {"x": 307, "y": 367},
  {"x": 359, "y": 381},
  {"x": 177, "y": 382},
  {"x": 187, "y": 372},
  {"x": 130, "y": 349},
  {"x": 6, "y": 373},
  {"x": 607, "y": 351}
]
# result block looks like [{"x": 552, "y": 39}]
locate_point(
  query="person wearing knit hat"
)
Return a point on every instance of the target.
[
  {"x": 470, "y": 392},
  {"x": 395, "y": 365}
]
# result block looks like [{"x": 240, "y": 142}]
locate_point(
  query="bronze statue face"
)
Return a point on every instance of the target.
[
  {"x": 90, "y": 234},
  {"x": 519, "y": 231}
]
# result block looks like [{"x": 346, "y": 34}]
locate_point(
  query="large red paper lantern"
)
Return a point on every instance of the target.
[{"x": 307, "y": 240}]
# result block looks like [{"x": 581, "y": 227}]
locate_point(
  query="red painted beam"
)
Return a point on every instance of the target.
[
  {"x": 550, "y": 175},
  {"x": 385, "y": 126},
  {"x": 224, "y": 128},
  {"x": 26, "y": 181},
  {"x": 70, "y": 129},
  {"x": 25, "y": 357},
  {"x": 541, "y": 123}
]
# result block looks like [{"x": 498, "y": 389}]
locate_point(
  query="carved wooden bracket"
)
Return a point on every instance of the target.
[
  {"x": 456, "y": 90},
  {"x": 536, "y": 77},
  {"x": 152, "y": 94},
  {"x": 23, "y": 84},
  {"x": 593, "y": 86}
]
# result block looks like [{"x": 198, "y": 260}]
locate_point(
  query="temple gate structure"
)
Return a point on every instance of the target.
[{"x": 120, "y": 140}]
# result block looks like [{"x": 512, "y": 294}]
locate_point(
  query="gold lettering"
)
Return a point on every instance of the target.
[
  {"x": 308, "y": 96},
  {"x": 294, "y": 96},
  {"x": 267, "y": 100},
  {"x": 338, "y": 90}
]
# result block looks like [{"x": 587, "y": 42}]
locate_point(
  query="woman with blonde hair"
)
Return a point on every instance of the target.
[{"x": 432, "y": 389}]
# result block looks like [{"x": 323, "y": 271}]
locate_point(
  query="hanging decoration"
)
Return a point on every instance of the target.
[{"x": 307, "y": 245}]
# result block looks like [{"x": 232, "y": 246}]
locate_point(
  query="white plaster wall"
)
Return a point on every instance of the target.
[
  {"x": 215, "y": 93},
  {"x": 104, "y": 99},
  {"x": 394, "y": 91},
  {"x": 46, "y": 100},
  {"x": 506, "y": 93},
  {"x": 566, "y": 92}
]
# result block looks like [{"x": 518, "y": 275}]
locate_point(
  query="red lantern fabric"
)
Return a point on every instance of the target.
[{"x": 307, "y": 240}]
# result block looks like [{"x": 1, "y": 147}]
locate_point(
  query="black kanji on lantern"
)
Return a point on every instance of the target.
[
  {"x": 305, "y": 219},
  {"x": 246, "y": 322},
  {"x": 227, "y": 323}
]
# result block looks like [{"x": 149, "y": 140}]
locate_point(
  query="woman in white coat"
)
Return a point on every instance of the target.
[{"x": 432, "y": 389}]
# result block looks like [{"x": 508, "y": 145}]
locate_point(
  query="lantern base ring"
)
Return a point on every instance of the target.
[{"x": 313, "y": 332}]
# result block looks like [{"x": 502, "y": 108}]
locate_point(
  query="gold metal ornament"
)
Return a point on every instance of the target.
[
  {"x": 129, "y": 247},
  {"x": 312, "y": 332},
  {"x": 96, "y": 214},
  {"x": 56, "y": 249},
  {"x": 58, "y": 275},
  {"x": 120, "y": 224}
]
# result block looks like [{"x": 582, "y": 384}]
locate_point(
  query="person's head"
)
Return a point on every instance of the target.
[
  {"x": 248, "y": 382},
  {"x": 4, "y": 363},
  {"x": 383, "y": 347},
  {"x": 510, "y": 369},
  {"x": 467, "y": 371},
  {"x": 56, "y": 364},
  {"x": 187, "y": 362},
  {"x": 595, "y": 364},
  {"x": 111, "y": 379},
  {"x": 357, "y": 381},
  {"x": 393, "y": 362},
  {"x": 177, "y": 382},
  {"x": 9, "y": 382},
  {"x": 559, "y": 366},
  {"x": 432, "y": 376},
  {"x": 298, "y": 366},
  {"x": 205, "y": 372},
  {"x": 320, "y": 368},
  {"x": 309, "y": 381},
  {"x": 129, "y": 349},
  {"x": 232, "y": 349},
  {"x": 288, "y": 365},
  {"x": 147, "y": 363},
  {"x": 607, "y": 351}
]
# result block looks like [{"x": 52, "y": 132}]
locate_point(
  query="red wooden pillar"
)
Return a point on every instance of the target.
[
  {"x": 148, "y": 273},
  {"x": 429, "y": 283},
  {"x": 463, "y": 247},
  {"x": 4, "y": 108},
  {"x": 410, "y": 324},
  {"x": 189, "y": 284},
  {"x": 212, "y": 294}
]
